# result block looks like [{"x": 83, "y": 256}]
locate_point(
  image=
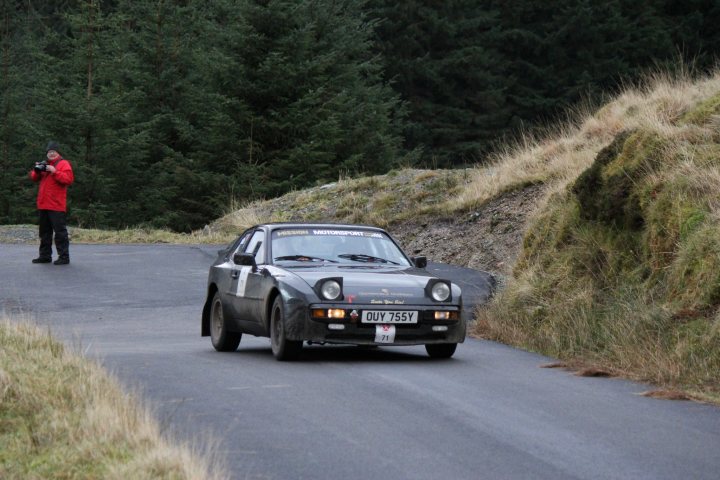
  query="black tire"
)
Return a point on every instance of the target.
[
  {"x": 282, "y": 348},
  {"x": 441, "y": 350},
  {"x": 221, "y": 338}
]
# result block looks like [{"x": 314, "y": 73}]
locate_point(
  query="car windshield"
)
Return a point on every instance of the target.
[{"x": 343, "y": 246}]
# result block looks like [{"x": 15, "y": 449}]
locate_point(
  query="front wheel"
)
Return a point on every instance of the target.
[
  {"x": 222, "y": 339},
  {"x": 282, "y": 348},
  {"x": 441, "y": 350}
]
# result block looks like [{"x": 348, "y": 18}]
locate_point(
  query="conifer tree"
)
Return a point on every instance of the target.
[
  {"x": 163, "y": 102},
  {"x": 25, "y": 38},
  {"x": 84, "y": 124},
  {"x": 443, "y": 59},
  {"x": 168, "y": 109},
  {"x": 317, "y": 102}
]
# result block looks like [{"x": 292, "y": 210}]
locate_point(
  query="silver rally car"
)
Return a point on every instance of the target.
[{"x": 328, "y": 283}]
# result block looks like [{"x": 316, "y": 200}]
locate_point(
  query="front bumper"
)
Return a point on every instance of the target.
[{"x": 301, "y": 326}]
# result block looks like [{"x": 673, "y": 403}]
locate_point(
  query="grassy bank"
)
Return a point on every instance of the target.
[
  {"x": 62, "y": 416},
  {"x": 381, "y": 200},
  {"x": 621, "y": 268}
]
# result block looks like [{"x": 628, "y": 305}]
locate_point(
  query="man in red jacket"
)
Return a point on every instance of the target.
[{"x": 55, "y": 176}]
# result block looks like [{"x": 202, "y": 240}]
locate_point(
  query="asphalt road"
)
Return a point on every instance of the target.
[{"x": 347, "y": 412}]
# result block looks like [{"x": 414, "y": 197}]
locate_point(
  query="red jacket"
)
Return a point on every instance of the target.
[{"x": 52, "y": 194}]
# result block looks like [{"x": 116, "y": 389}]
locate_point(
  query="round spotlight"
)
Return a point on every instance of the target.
[
  {"x": 331, "y": 290},
  {"x": 440, "y": 291}
]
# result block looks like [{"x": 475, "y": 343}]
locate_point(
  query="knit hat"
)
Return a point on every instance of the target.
[{"x": 52, "y": 145}]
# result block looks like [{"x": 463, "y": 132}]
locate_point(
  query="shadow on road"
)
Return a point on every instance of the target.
[{"x": 340, "y": 353}]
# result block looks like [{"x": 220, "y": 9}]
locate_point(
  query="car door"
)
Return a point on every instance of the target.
[
  {"x": 228, "y": 275},
  {"x": 247, "y": 295},
  {"x": 259, "y": 280}
]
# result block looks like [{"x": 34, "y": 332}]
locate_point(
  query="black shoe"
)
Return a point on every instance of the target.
[
  {"x": 62, "y": 261},
  {"x": 42, "y": 260}
]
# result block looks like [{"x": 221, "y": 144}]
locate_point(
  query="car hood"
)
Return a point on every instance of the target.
[{"x": 373, "y": 284}]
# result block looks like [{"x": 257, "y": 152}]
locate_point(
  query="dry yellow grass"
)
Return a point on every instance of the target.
[
  {"x": 63, "y": 416},
  {"x": 562, "y": 156},
  {"x": 144, "y": 235}
]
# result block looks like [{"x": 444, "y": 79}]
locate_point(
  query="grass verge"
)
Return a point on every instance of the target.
[{"x": 63, "y": 416}]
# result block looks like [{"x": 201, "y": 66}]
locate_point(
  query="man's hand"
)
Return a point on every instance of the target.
[{"x": 50, "y": 168}]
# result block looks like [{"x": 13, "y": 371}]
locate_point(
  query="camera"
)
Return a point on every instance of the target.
[{"x": 40, "y": 166}]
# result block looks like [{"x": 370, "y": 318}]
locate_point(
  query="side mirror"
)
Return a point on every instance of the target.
[
  {"x": 245, "y": 259},
  {"x": 420, "y": 262}
]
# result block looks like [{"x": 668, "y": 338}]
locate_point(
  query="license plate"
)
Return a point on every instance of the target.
[
  {"x": 389, "y": 316},
  {"x": 384, "y": 333}
]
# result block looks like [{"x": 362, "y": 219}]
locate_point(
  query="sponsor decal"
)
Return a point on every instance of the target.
[
  {"x": 288, "y": 233},
  {"x": 347, "y": 233},
  {"x": 386, "y": 293},
  {"x": 329, "y": 233},
  {"x": 242, "y": 281}
]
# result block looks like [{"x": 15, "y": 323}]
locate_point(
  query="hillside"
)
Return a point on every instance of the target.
[
  {"x": 607, "y": 230},
  {"x": 621, "y": 268}
]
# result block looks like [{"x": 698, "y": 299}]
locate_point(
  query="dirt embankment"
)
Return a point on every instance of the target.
[{"x": 489, "y": 238}]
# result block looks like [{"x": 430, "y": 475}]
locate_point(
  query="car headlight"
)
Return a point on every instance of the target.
[
  {"x": 440, "y": 291},
  {"x": 331, "y": 290}
]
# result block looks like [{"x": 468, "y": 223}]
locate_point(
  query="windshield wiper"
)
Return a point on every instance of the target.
[
  {"x": 304, "y": 258},
  {"x": 361, "y": 257}
]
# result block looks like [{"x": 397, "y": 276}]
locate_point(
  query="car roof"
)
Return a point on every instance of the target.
[{"x": 282, "y": 225}]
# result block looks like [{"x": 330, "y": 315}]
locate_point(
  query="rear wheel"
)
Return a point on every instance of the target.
[
  {"x": 441, "y": 350},
  {"x": 222, "y": 339},
  {"x": 282, "y": 348}
]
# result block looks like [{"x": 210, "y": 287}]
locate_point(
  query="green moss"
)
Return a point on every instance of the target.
[
  {"x": 609, "y": 191},
  {"x": 602, "y": 197},
  {"x": 641, "y": 150},
  {"x": 694, "y": 217},
  {"x": 694, "y": 276},
  {"x": 552, "y": 231},
  {"x": 701, "y": 113},
  {"x": 674, "y": 211}
]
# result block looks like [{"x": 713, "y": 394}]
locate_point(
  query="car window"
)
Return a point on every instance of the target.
[
  {"x": 239, "y": 244},
  {"x": 256, "y": 247},
  {"x": 335, "y": 245}
]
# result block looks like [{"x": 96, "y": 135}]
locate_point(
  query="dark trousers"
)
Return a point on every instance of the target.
[{"x": 51, "y": 221}]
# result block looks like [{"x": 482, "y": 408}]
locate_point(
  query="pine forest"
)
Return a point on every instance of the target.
[{"x": 171, "y": 111}]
